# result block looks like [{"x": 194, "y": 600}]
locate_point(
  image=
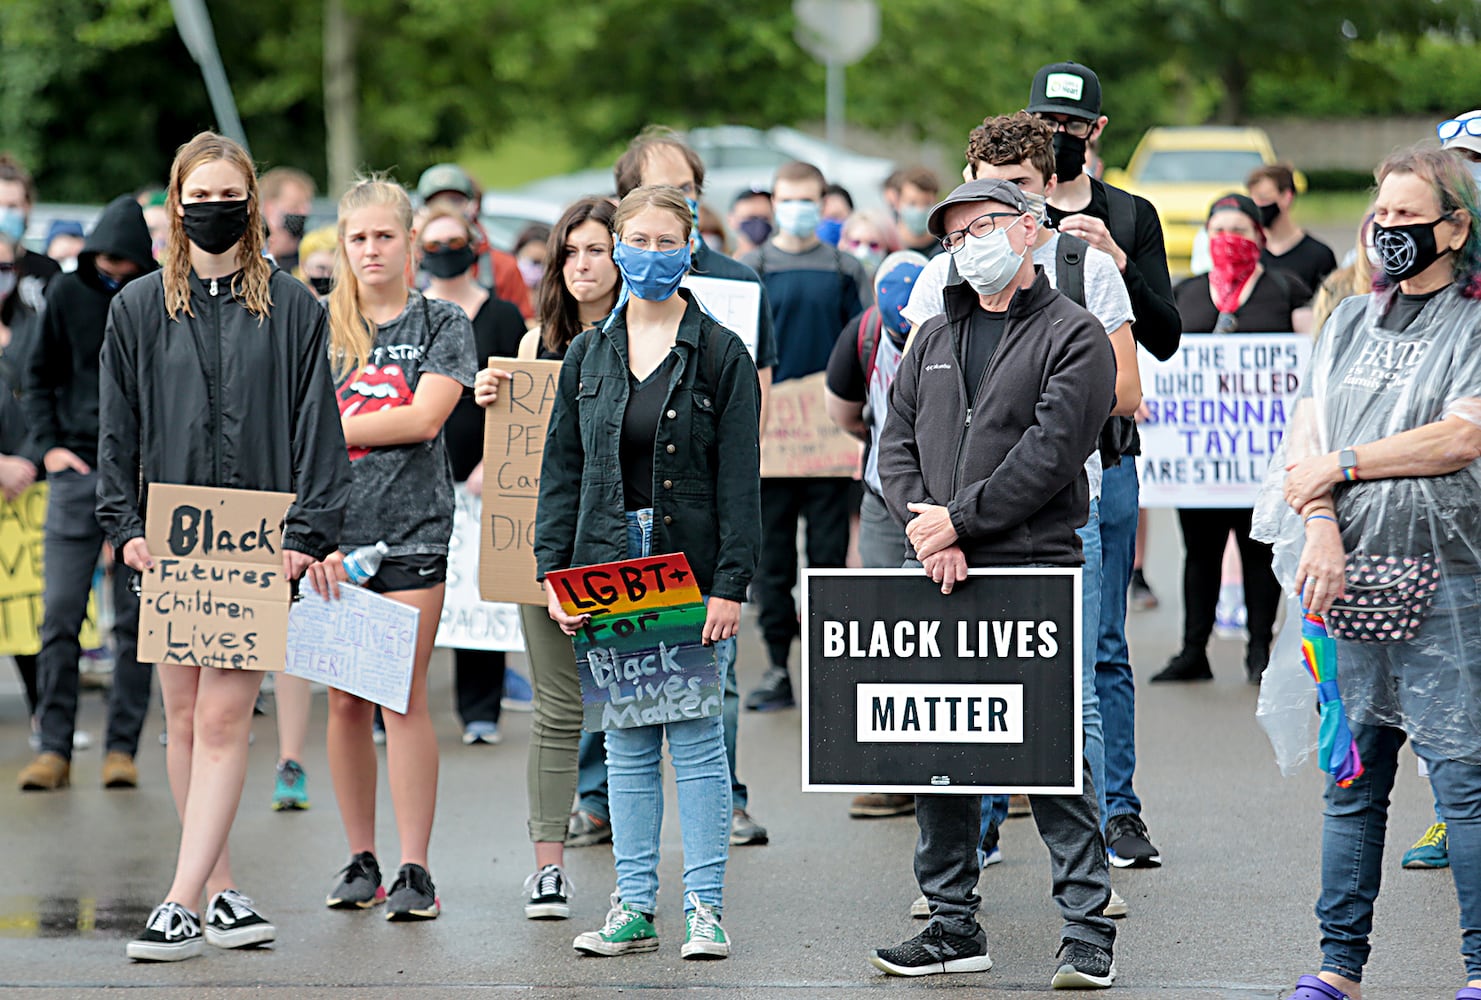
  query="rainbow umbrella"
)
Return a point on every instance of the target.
[{"x": 1337, "y": 751}]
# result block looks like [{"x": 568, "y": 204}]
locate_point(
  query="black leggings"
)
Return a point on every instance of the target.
[{"x": 1205, "y": 533}]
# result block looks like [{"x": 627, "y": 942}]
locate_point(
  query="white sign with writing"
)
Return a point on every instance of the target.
[
  {"x": 468, "y": 621},
  {"x": 736, "y": 305},
  {"x": 364, "y": 644}
]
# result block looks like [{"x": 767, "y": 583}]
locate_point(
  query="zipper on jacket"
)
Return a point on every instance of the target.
[{"x": 216, "y": 396}]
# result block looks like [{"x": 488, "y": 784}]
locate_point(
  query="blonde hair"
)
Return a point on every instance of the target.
[
  {"x": 351, "y": 333},
  {"x": 314, "y": 241},
  {"x": 251, "y": 281},
  {"x": 662, "y": 196}
]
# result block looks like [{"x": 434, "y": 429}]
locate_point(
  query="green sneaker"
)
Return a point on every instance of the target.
[
  {"x": 291, "y": 790},
  {"x": 1430, "y": 851},
  {"x": 627, "y": 930},
  {"x": 703, "y": 935}
]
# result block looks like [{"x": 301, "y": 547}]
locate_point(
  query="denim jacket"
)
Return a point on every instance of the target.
[{"x": 706, "y": 462}]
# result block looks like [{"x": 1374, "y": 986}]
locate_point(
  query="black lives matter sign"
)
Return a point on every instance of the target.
[{"x": 906, "y": 689}]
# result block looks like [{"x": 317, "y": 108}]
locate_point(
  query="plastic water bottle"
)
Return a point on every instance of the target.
[{"x": 365, "y": 562}]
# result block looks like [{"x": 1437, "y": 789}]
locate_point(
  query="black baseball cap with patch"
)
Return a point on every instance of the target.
[{"x": 1065, "y": 88}]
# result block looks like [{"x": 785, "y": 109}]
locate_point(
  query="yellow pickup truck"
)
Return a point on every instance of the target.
[{"x": 1182, "y": 170}]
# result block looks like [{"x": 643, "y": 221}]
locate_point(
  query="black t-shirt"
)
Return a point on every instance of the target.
[
  {"x": 1405, "y": 308},
  {"x": 1268, "y": 309},
  {"x": 983, "y": 334},
  {"x": 1311, "y": 260},
  {"x": 497, "y": 330},
  {"x": 645, "y": 401}
]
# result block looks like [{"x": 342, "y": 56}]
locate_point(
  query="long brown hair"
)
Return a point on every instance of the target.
[
  {"x": 351, "y": 333},
  {"x": 251, "y": 281},
  {"x": 560, "y": 314}
]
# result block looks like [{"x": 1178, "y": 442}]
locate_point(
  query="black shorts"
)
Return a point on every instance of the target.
[{"x": 417, "y": 571}]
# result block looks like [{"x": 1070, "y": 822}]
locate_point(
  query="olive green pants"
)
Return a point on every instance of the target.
[{"x": 555, "y": 734}]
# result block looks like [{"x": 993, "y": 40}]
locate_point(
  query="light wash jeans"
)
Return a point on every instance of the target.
[{"x": 635, "y": 787}]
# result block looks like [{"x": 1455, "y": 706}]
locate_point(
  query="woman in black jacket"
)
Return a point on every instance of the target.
[{"x": 215, "y": 372}]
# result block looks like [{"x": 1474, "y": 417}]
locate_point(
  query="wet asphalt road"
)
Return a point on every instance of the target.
[{"x": 1228, "y": 916}]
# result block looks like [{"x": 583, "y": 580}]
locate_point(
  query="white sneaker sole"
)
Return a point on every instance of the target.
[
  {"x": 1074, "y": 979},
  {"x": 1117, "y": 861},
  {"x": 152, "y": 951},
  {"x": 1116, "y": 908},
  {"x": 920, "y": 909},
  {"x": 547, "y": 911},
  {"x": 977, "y": 963},
  {"x": 242, "y": 937},
  {"x": 700, "y": 950},
  {"x": 591, "y": 943}
]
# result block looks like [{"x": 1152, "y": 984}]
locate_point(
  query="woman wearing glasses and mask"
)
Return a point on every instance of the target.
[{"x": 653, "y": 447}]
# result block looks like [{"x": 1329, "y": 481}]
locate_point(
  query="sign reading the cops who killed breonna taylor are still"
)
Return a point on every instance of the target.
[
  {"x": 513, "y": 444},
  {"x": 1215, "y": 413},
  {"x": 906, "y": 689},
  {"x": 641, "y": 657},
  {"x": 216, "y": 596}
]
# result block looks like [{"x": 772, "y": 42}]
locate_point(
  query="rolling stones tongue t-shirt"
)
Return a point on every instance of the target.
[{"x": 403, "y": 494}]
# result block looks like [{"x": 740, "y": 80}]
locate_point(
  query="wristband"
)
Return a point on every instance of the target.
[{"x": 1320, "y": 517}]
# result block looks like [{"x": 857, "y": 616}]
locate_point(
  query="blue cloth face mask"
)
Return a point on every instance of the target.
[
  {"x": 915, "y": 218},
  {"x": 651, "y": 274},
  {"x": 830, "y": 230},
  {"x": 13, "y": 223},
  {"x": 798, "y": 218}
]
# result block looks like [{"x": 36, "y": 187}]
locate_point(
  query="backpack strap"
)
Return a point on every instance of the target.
[
  {"x": 1122, "y": 210},
  {"x": 1069, "y": 268},
  {"x": 871, "y": 325}
]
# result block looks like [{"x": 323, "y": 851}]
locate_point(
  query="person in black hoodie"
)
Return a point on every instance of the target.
[
  {"x": 61, "y": 404},
  {"x": 993, "y": 413},
  {"x": 215, "y": 372}
]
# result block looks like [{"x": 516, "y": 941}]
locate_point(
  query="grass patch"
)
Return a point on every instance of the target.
[
  {"x": 1332, "y": 208},
  {"x": 527, "y": 153}
]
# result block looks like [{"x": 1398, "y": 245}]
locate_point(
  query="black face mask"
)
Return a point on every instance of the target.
[
  {"x": 216, "y": 226},
  {"x": 293, "y": 225},
  {"x": 1268, "y": 214},
  {"x": 449, "y": 263},
  {"x": 1407, "y": 250},
  {"x": 1069, "y": 156},
  {"x": 321, "y": 285}
]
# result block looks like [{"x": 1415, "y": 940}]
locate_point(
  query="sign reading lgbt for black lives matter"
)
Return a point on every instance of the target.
[
  {"x": 1214, "y": 414},
  {"x": 906, "y": 689},
  {"x": 641, "y": 657}
]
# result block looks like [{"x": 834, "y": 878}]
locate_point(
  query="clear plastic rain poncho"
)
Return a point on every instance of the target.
[{"x": 1367, "y": 383}]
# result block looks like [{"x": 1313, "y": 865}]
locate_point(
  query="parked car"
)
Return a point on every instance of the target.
[
  {"x": 505, "y": 216},
  {"x": 1182, "y": 170}
]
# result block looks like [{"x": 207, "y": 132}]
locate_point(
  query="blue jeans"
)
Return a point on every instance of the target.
[
  {"x": 1119, "y": 494},
  {"x": 635, "y": 783},
  {"x": 995, "y": 807},
  {"x": 1352, "y": 849}
]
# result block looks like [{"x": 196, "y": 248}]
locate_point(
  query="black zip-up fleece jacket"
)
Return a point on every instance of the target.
[
  {"x": 61, "y": 381},
  {"x": 221, "y": 399},
  {"x": 1006, "y": 459}
]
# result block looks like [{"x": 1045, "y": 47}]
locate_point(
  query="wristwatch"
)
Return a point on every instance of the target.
[{"x": 1347, "y": 461}]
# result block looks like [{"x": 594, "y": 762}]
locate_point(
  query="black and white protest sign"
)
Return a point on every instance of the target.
[{"x": 906, "y": 689}]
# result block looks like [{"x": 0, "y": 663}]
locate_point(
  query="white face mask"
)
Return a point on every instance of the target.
[
  {"x": 988, "y": 263},
  {"x": 1038, "y": 206}
]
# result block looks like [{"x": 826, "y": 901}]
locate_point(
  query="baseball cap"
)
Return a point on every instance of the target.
[
  {"x": 979, "y": 190},
  {"x": 444, "y": 177},
  {"x": 1463, "y": 139},
  {"x": 1065, "y": 88},
  {"x": 893, "y": 283},
  {"x": 64, "y": 227}
]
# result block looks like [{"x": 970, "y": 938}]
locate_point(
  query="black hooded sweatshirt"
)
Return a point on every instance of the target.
[{"x": 60, "y": 386}]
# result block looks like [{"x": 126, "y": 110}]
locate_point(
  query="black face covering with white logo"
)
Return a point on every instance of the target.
[{"x": 1405, "y": 251}]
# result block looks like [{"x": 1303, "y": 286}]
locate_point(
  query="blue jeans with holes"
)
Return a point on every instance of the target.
[
  {"x": 635, "y": 787},
  {"x": 1115, "y": 688}
]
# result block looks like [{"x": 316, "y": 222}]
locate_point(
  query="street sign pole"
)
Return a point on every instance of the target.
[
  {"x": 194, "y": 24},
  {"x": 837, "y": 33}
]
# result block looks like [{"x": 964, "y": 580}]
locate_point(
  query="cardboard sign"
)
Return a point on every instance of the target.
[
  {"x": 640, "y": 658},
  {"x": 468, "y": 621},
  {"x": 906, "y": 689},
  {"x": 800, "y": 440},
  {"x": 23, "y": 577},
  {"x": 1216, "y": 411},
  {"x": 363, "y": 644},
  {"x": 513, "y": 444},
  {"x": 216, "y": 596},
  {"x": 736, "y": 305}
]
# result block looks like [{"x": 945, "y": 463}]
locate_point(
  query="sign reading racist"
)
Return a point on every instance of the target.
[
  {"x": 906, "y": 689},
  {"x": 640, "y": 657},
  {"x": 1215, "y": 413},
  {"x": 468, "y": 621},
  {"x": 513, "y": 445},
  {"x": 216, "y": 596}
]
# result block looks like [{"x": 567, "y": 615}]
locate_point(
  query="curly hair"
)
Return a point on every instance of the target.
[
  {"x": 1455, "y": 191},
  {"x": 1008, "y": 139}
]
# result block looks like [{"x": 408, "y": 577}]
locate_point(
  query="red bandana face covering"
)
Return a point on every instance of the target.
[{"x": 1235, "y": 258}]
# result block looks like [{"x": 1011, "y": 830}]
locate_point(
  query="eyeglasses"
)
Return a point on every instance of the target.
[
  {"x": 1448, "y": 130},
  {"x": 666, "y": 245},
  {"x": 1077, "y": 127},
  {"x": 438, "y": 246},
  {"x": 980, "y": 226}
]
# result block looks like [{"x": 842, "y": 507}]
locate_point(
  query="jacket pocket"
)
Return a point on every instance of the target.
[
  {"x": 595, "y": 408},
  {"x": 703, "y": 419}
]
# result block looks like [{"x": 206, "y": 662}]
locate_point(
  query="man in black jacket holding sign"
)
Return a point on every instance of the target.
[{"x": 993, "y": 413}]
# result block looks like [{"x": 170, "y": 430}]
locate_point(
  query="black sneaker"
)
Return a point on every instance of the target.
[
  {"x": 932, "y": 951},
  {"x": 1127, "y": 845},
  {"x": 413, "y": 896},
  {"x": 232, "y": 921},
  {"x": 774, "y": 692},
  {"x": 359, "y": 885},
  {"x": 1188, "y": 665},
  {"x": 745, "y": 831},
  {"x": 1083, "y": 966},
  {"x": 1256, "y": 659},
  {"x": 549, "y": 894},
  {"x": 172, "y": 933}
]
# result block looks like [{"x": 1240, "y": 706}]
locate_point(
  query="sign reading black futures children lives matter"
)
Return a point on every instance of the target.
[{"x": 906, "y": 689}]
